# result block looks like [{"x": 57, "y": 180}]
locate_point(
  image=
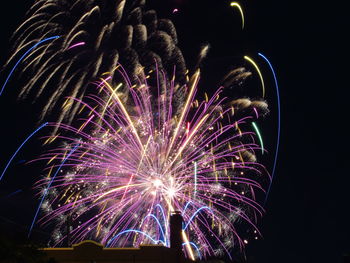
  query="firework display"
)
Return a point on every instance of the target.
[
  {"x": 131, "y": 138},
  {"x": 132, "y": 162}
]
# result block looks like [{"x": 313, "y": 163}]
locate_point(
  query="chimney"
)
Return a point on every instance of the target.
[{"x": 176, "y": 232}]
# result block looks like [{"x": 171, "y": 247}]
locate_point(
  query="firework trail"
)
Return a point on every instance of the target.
[
  {"x": 139, "y": 160},
  {"x": 65, "y": 45},
  {"x": 278, "y": 123},
  {"x": 19, "y": 148}
]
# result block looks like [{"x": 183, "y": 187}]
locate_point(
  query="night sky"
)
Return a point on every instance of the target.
[{"x": 307, "y": 218}]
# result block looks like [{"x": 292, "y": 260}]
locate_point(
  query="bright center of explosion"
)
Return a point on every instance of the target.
[
  {"x": 157, "y": 183},
  {"x": 167, "y": 189},
  {"x": 171, "y": 192}
]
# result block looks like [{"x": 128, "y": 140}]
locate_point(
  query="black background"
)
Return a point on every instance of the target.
[{"x": 307, "y": 211}]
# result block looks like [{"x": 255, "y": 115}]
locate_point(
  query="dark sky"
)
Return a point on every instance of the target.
[{"x": 307, "y": 217}]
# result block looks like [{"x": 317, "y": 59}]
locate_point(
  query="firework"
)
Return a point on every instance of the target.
[
  {"x": 65, "y": 45},
  {"x": 133, "y": 160},
  {"x": 144, "y": 145},
  {"x": 238, "y": 6}
]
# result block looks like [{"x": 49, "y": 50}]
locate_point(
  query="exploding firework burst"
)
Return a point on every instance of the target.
[
  {"x": 145, "y": 146},
  {"x": 63, "y": 46},
  {"x": 134, "y": 160}
]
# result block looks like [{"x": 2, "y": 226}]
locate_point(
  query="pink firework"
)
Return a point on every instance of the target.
[{"x": 140, "y": 155}]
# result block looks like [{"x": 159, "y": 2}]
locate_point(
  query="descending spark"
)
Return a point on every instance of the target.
[
  {"x": 256, "y": 113},
  {"x": 76, "y": 45},
  {"x": 235, "y": 4},
  {"x": 111, "y": 97},
  {"x": 184, "y": 210},
  {"x": 160, "y": 227},
  {"x": 20, "y": 147},
  {"x": 278, "y": 122},
  {"x": 188, "y": 246},
  {"x": 195, "y": 246},
  {"x": 163, "y": 216},
  {"x": 86, "y": 123},
  {"x": 22, "y": 57},
  {"x": 259, "y": 72},
  {"x": 116, "y": 190},
  {"x": 194, "y": 215},
  {"x": 259, "y": 136},
  {"x": 48, "y": 187}
]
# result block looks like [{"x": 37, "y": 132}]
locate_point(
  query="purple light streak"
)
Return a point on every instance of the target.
[
  {"x": 138, "y": 155},
  {"x": 76, "y": 45}
]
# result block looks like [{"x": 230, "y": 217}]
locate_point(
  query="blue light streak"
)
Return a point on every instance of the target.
[
  {"x": 19, "y": 148},
  {"x": 189, "y": 221},
  {"x": 278, "y": 124},
  {"x": 135, "y": 231},
  {"x": 188, "y": 203},
  {"x": 22, "y": 57},
  {"x": 160, "y": 226},
  {"x": 48, "y": 187}
]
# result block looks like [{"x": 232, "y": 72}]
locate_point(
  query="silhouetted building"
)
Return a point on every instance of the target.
[
  {"x": 176, "y": 231},
  {"x": 92, "y": 252}
]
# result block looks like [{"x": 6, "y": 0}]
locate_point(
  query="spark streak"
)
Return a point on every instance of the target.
[
  {"x": 259, "y": 72},
  {"x": 76, "y": 45},
  {"x": 22, "y": 57},
  {"x": 47, "y": 189},
  {"x": 20, "y": 147},
  {"x": 235, "y": 4},
  {"x": 278, "y": 123},
  {"x": 259, "y": 136},
  {"x": 188, "y": 246}
]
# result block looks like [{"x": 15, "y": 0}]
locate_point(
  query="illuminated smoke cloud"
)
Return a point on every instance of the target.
[{"x": 94, "y": 37}]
